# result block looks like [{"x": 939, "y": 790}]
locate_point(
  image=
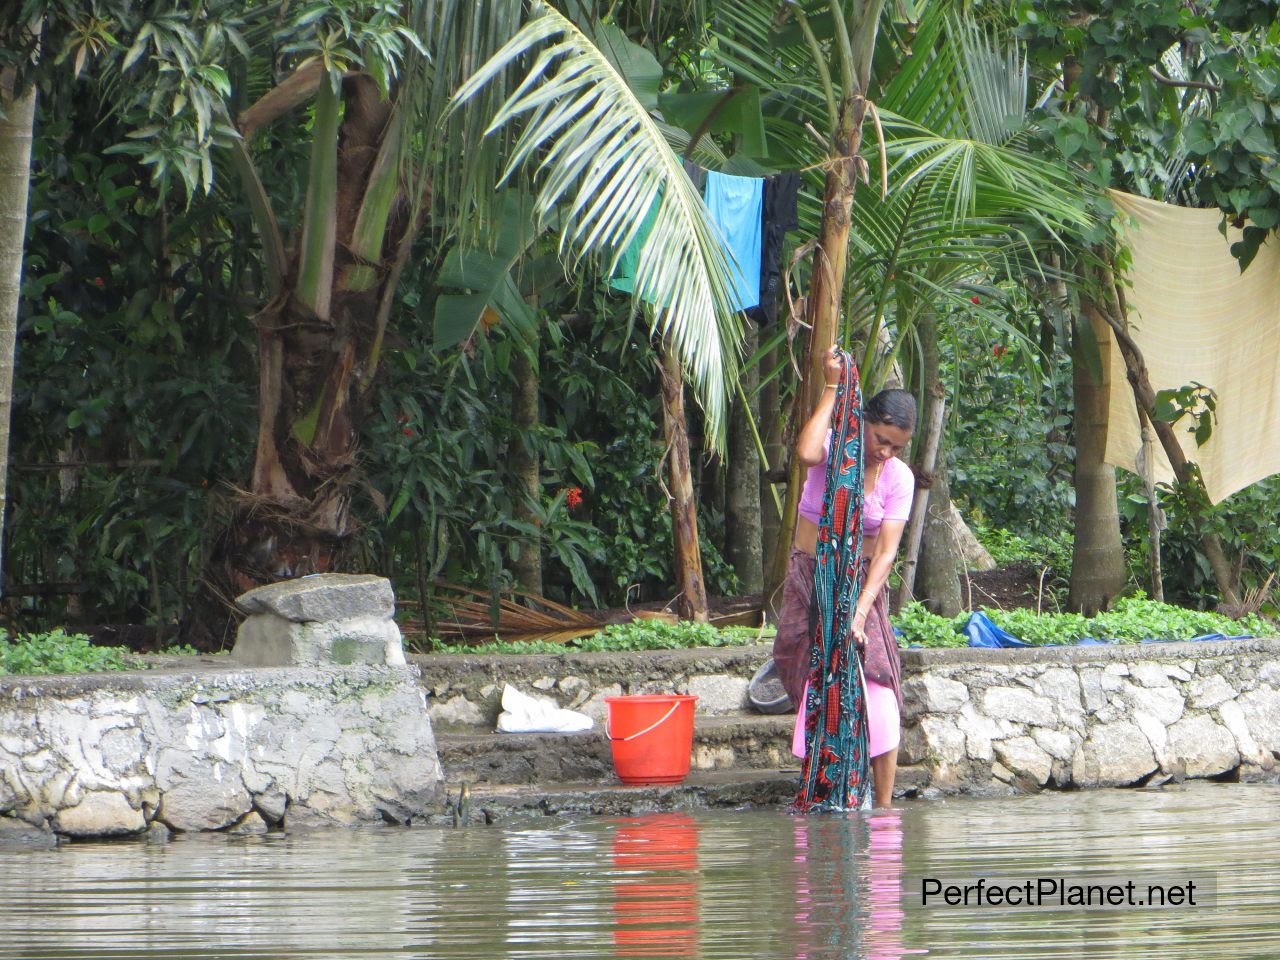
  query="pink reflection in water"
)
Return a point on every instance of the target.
[{"x": 836, "y": 874}]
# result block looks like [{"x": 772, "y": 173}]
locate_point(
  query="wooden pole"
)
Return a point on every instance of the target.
[{"x": 920, "y": 507}]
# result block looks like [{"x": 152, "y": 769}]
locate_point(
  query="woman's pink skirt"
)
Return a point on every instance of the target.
[{"x": 884, "y": 729}]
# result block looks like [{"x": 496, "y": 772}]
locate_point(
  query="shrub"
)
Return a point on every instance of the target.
[{"x": 58, "y": 652}]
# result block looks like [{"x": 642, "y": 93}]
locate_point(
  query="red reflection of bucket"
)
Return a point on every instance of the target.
[
  {"x": 651, "y": 736},
  {"x": 655, "y": 886}
]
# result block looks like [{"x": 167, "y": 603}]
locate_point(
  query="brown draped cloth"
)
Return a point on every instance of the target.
[{"x": 880, "y": 659}]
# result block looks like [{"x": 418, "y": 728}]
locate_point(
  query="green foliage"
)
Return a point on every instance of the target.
[
  {"x": 1009, "y": 450},
  {"x": 1137, "y": 618},
  {"x": 1193, "y": 400},
  {"x": 1131, "y": 620},
  {"x": 921, "y": 628},
  {"x": 636, "y": 635},
  {"x": 1246, "y": 522},
  {"x": 180, "y": 650},
  {"x": 57, "y": 652},
  {"x": 1206, "y": 134},
  {"x": 438, "y": 457},
  {"x": 1039, "y": 629},
  {"x": 136, "y": 369},
  {"x": 1039, "y": 550}
]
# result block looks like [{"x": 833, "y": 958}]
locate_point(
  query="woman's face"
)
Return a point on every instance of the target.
[{"x": 883, "y": 440}]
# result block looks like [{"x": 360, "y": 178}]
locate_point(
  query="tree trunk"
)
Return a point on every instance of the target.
[
  {"x": 1186, "y": 472},
  {"x": 1097, "y": 555},
  {"x": 826, "y": 291},
  {"x": 775, "y": 453},
  {"x": 692, "y": 600},
  {"x": 742, "y": 519},
  {"x": 318, "y": 354},
  {"x": 926, "y": 464},
  {"x": 17, "y": 118},
  {"x": 937, "y": 579},
  {"x": 525, "y": 466}
]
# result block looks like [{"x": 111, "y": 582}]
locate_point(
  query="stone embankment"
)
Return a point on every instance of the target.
[
  {"x": 1094, "y": 716},
  {"x": 975, "y": 721},
  {"x": 315, "y": 719}
]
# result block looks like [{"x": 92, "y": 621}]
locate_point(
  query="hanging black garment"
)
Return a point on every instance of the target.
[{"x": 780, "y": 193}]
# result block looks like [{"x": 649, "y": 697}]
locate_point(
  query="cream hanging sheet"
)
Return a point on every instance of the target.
[{"x": 1196, "y": 317}]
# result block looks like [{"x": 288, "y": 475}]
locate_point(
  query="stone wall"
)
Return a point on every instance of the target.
[
  {"x": 974, "y": 720},
  {"x": 221, "y": 748},
  {"x": 1092, "y": 716},
  {"x": 466, "y": 691}
]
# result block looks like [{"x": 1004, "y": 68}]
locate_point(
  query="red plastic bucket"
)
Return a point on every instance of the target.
[{"x": 651, "y": 736}]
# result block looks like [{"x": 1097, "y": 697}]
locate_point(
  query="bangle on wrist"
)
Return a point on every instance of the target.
[{"x": 830, "y": 386}]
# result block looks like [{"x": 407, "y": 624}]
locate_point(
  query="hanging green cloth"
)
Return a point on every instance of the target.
[
  {"x": 624, "y": 274},
  {"x": 835, "y": 776}
]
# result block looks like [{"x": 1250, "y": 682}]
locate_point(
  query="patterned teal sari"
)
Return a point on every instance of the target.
[{"x": 836, "y": 773}]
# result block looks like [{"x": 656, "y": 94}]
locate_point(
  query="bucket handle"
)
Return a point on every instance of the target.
[{"x": 653, "y": 726}]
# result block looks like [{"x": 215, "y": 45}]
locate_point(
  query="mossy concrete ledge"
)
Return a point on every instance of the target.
[{"x": 224, "y": 748}]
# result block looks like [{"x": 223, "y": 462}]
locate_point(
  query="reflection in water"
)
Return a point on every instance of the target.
[
  {"x": 714, "y": 885},
  {"x": 655, "y": 886},
  {"x": 849, "y": 887},
  {"x": 884, "y": 878}
]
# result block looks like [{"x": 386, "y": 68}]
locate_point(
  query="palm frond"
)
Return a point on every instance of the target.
[
  {"x": 601, "y": 162},
  {"x": 995, "y": 81}
]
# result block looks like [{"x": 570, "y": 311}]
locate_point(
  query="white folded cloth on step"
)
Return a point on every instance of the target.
[{"x": 522, "y": 713}]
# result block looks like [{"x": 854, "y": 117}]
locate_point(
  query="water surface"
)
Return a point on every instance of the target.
[{"x": 740, "y": 886}]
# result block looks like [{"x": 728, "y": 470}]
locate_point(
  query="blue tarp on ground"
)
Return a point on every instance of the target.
[{"x": 983, "y": 633}]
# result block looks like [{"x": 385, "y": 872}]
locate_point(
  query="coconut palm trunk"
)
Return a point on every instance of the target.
[
  {"x": 1097, "y": 554},
  {"x": 937, "y": 579},
  {"x": 692, "y": 599},
  {"x": 856, "y": 35},
  {"x": 743, "y": 504},
  {"x": 17, "y": 116},
  {"x": 525, "y": 467}
]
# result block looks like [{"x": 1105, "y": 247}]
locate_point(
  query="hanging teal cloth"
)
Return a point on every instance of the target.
[
  {"x": 835, "y": 776},
  {"x": 624, "y": 274}
]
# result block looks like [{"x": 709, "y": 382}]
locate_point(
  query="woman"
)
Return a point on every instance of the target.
[{"x": 888, "y": 487}]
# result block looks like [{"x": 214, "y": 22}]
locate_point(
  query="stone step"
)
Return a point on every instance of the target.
[
  {"x": 702, "y": 789},
  {"x": 737, "y": 789},
  {"x": 742, "y": 741}
]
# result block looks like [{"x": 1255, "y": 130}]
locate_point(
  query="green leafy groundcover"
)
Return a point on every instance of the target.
[
  {"x": 1132, "y": 620},
  {"x": 61, "y": 652}
]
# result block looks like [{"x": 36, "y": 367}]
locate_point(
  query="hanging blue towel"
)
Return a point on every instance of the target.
[{"x": 736, "y": 205}]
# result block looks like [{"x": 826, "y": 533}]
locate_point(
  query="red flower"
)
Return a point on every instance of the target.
[
  {"x": 99, "y": 282},
  {"x": 574, "y": 497},
  {"x": 975, "y": 299},
  {"x": 999, "y": 352},
  {"x": 408, "y": 431}
]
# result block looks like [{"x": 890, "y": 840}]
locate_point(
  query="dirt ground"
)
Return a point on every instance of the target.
[{"x": 1017, "y": 585}]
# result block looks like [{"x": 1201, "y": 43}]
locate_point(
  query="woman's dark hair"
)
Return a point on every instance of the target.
[{"x": 894, "y": 408}]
